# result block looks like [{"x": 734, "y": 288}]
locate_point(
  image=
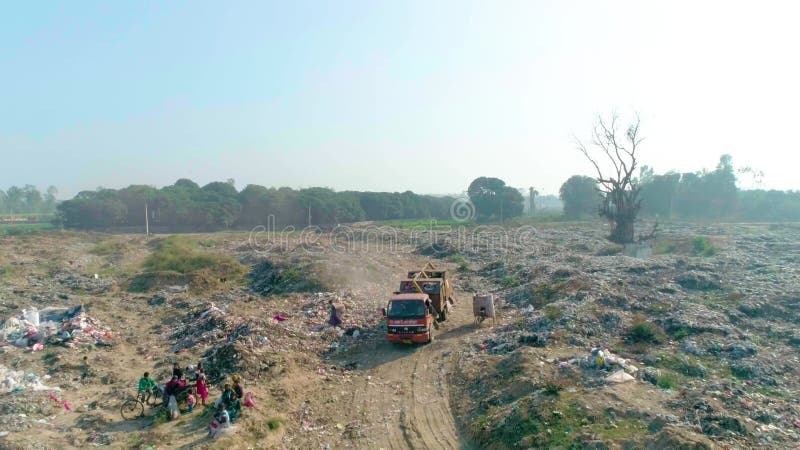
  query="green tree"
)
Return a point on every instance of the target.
[
  {"x": 721, "y": 188},
  {"x": 256, "y": 203},
  {"x": 580, "y": 197},
  {"x": 50, "y": 199},
  {"x": 15, "y": 202},
  {"x": 32, "y": 199},
  {"x": 92, "y": 209},
  {"x": 134, "y": 198},
  {"x": 221, "y": 204},
  {"x": 492, "y": 198},
  {"x": 513, "y": 203},
  {"x": 658, "y": 194}
]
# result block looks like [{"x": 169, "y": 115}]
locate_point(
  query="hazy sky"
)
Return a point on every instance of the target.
[{"x": 379, "y": 95}]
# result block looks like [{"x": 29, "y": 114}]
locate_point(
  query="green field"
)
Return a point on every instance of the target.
[
  {"x": 418, "y": 224},
  {"x": 13, "y": 229}
]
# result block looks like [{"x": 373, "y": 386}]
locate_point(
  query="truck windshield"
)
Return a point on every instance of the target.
[{"x": 406, "y": 309}]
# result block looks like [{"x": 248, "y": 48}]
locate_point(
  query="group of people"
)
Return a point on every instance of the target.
[
  {"x": 227, "y": 407},
  {"x": 177, "y": 385}
]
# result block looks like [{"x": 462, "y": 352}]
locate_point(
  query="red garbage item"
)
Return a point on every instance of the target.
[
  {"x": 249, "y": 400},
  {"x": 279, "y": 318}
]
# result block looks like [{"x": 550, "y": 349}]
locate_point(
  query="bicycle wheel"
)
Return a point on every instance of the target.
[{"x": 131, "y": 409}]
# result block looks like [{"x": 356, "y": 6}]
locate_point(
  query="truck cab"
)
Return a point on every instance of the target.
[{"x": 409, "y": 319}]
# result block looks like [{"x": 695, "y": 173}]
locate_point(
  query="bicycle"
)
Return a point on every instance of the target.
[{"x": 134, "y": 406}]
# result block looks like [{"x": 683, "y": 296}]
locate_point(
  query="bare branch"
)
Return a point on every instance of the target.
[{"x": 621, "y": 202}]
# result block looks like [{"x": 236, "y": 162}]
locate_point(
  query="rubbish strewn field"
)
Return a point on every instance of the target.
[{"x": 705, "y": 330}]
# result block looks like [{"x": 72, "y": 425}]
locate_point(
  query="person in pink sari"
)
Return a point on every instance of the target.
[{"x": 202, "y": 389}]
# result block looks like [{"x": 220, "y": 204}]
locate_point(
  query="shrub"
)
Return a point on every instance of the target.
[
  {"x": 275, "y": 423},
  {"x": 684, "y": 365},
  {"x": 109, "y": 248},
  {"x": 510, "y": 281},
  {"x": 702, "y": 246},
  {"x": 178, "y": 260},
  {"x": 461, "y": 262},
  {"x": 680, "y": 334},
  {"x": 552, "y": 388},
  {"x": 552, "y": 312},
  {"x": 642, "y": 332},
  {"x": 667, "y": 381},
  {"x": 179, "y": 254}
]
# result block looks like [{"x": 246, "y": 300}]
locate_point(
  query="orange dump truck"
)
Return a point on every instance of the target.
[{"x": 424, "y": 300}]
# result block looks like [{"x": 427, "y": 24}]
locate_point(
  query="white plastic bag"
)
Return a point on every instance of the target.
[
  {"x": 31, "y": 316},
  {"x": 172, "y": 405}
]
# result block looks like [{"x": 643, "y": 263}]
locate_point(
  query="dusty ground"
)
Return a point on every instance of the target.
[
  {"x": 369, "y": 395},
  {"x": 733, "y": 312}
]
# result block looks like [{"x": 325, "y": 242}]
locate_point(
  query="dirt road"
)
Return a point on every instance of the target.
[
  {"x": 407, "y": 391},
  {"x": 395, "y": 396}
]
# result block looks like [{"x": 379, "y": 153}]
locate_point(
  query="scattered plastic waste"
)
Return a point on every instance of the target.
[
  {"x": 619, "y": 376},
  {"x": 17, "y": 381},
  {"x": 604, "y": 359},
  {"x": 249, "y": 400},
  {"x": 54, "y": 326}
]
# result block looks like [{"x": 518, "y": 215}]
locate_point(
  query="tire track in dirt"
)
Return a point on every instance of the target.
[
  {"x": 408, "y": 390},
  {"x": 398, "y": 396}
]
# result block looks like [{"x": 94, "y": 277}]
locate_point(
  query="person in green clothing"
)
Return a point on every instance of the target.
[
  {"x": 146, "y": 387},
  {"x": 234, "y": 406}
]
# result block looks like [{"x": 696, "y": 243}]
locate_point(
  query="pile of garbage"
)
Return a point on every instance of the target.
[
  {"x": 229, "y": 344},
  {"x": 93, "y": 285},
  {"x": 18, "y": 381},
  {"x": 603, "y": 359},
  {"x": 204, "y": 325},
  {"x": 252, "y": 345},
  {"x": 361, "y": 322},
  {"x": 69, "y": 327},
  {"x": 270, "y": 278},
  {"x": 221, "y": 361}
]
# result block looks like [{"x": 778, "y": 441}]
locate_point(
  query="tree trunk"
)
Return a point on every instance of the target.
[{"x": 622, "y": 232}]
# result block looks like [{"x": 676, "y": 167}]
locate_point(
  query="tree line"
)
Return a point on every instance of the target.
[
  {"x": 219, "y": 205},
  {"x": 705, "y": 194},
  {"x": 27, "y": 200}
]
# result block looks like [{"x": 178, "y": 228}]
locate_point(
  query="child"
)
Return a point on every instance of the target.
[
  {"x": 190, "y": 402},
  {"x": 199, "y": 370},
  {"x": 227, "y": 392},
  {"x": 146, "y": 386},
  {"x": 220, "y": 423},
  {"x": 202, "y": 389}
]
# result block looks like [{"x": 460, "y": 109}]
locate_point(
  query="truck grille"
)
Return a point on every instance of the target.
[{"x": 403, "y": 329}]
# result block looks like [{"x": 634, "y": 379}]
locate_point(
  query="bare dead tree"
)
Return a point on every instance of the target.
[{"x": 619, "y": 188}]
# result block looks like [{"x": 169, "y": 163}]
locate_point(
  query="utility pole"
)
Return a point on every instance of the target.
[
  {"x": 146, "y": 220},
  {"x": 532, "y": 199},
  {"x": 501, "y": 210}
]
